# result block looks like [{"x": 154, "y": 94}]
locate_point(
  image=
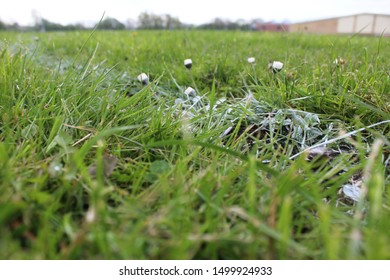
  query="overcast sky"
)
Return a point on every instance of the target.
[{"x": 194, "y": 11}]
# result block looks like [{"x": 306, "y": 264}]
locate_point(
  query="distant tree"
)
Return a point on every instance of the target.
[
  {"x": 14, "y": 26},
  {"x": 77, "y": 26},
  {"x": 217, "y": 24},
  {"x": 3, "y": 26},
  {"x": 46, "y": 25},
  {"x": 144, "y": 21},
  {"x": 51, "y": 26},
  {"x": 172, "y": 22},
  {"x": 111, "y": 24},
  {"x": 221, "y": 24},
  {"x": 158, "y": 22},
  {"x": 152, "y": 21}
]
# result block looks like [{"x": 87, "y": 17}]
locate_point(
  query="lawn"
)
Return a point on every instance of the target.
[{"x": 249, "y": 163}]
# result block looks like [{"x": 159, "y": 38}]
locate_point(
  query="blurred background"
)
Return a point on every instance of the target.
[{"x": 330, "y": 16}]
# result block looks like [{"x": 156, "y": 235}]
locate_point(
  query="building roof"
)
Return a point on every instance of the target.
[{"x": 331, "y": 18}]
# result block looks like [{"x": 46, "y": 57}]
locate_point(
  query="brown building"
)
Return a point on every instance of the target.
[
  {"x": 367, "y": 24},
  {"x": 272, "y": 27}
]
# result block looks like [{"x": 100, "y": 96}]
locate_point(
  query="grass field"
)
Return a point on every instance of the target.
[{"x": 252, "y": 165}]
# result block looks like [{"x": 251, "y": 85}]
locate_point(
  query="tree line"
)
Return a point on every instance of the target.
[{"x": 146, "y": 21}]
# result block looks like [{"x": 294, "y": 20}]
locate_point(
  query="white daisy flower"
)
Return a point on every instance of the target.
[
  {"x": 190, "y": 91},
  {"x": 143, "y": 78},
  {"x": 195, "y": 99},
  {"x": 188, "y": 63},
  {"x": 277, "y": 66},
  {"x": 353, "y": 191},
  {"x": 251, "y": 60}
]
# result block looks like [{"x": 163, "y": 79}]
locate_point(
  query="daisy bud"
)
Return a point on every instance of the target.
[
  {"x": 251, "y": 60},
  {"x": 277, "y": 66},
  {"x": 90, "y": 217},
  {"x": 143, "y": 78},
  {"x": 339, "y": 61},
  {"x": 188, "y": 63},
  {"x": 190, "y": 91}
]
